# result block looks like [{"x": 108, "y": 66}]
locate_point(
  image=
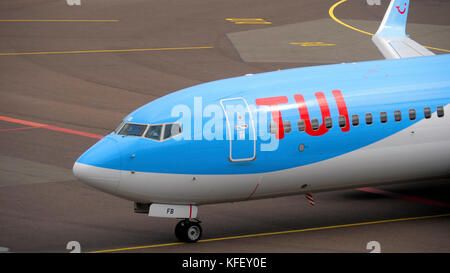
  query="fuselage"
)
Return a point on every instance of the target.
[{"x": 294, "y": 131}]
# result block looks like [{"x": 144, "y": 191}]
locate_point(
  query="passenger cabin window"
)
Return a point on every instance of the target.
[
  {"x": 412, "y": 114},
  {"x": 427, "y": 112},
  {"x": 131, "y": 129},
  {"x": 440, "y": 111},
  {"x": 328, "y": 122},
  {"x": 315, "y": 124},
  {"x": 355, "y": 120},
  {"x": 342, "y": 121},
  {"x": 287, "y": 126},
  {"x": 397, "y": 116},
  {"x": 301, "y": 125},
  {"x": 273, "y": 128},
  {"x": 383, "y": 117},
  {"x": 154, "y": 132},
  {"x": 171, "y": 130},
  {"x": 369, "y": 119}
]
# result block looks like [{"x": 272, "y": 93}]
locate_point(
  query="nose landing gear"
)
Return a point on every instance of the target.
[{"x": 188, "y": 231}]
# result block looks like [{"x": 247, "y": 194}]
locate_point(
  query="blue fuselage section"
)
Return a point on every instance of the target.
[{"x": 373, "y": 87}]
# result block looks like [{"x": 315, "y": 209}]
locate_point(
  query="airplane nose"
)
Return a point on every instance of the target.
[{"x": 99, "y": 166}]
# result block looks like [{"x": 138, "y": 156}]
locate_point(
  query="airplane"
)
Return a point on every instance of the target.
[{"x": 290, "y": 132}]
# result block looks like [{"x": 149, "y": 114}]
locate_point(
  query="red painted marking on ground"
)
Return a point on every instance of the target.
[
  {"x": 50, "y": 127},
  {"x": 406, "y": 197},
  {"x": 17, "y": 129},
  {"x": 73, "y": 132}
]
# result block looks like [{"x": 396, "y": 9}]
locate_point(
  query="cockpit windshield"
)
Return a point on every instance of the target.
[
  {"x": 154, "y": 132},
  {"x": 158, "y": 132},
  {"x": 131, "y": 129}
]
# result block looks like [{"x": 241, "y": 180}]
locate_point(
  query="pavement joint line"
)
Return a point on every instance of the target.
[
  {"x": 104, "y": 51},
  {"x": 331, "y": 13},
  {"x": 279, "y": 232}
]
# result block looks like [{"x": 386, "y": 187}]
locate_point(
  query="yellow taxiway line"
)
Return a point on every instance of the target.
[
  {"x": 251, "y": 21},
  {"x": 55, "y": 20},
  {"x": 279, "y": 232},
  {"x": 439, "y": 49},
  {"x": 331, "y": 13},
  {"x": 103, "y": 51}
]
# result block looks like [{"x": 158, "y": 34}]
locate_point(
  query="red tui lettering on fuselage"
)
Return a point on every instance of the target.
[{"x": 303, "y": 112}]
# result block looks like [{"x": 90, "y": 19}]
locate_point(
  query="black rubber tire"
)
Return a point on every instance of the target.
[{"x": 179, "y": 231}]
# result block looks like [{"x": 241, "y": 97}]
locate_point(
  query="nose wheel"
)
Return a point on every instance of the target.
[{"x": 188, "y": 231}]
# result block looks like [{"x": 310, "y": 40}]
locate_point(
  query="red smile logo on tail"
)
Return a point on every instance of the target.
[{"x": 401, "y": 12}]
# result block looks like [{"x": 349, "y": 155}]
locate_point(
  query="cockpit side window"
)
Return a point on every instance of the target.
[
  {"x": 119, "y": 127},
  {"x": 154, "y": 132},
  {"x": 171, "y": 130},
  {"x": 131, "y": 129}
]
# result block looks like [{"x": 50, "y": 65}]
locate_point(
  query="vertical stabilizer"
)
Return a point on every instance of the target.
[
  {"x": 394, "y": 21},
  {"x": 391, "y": 38}
]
